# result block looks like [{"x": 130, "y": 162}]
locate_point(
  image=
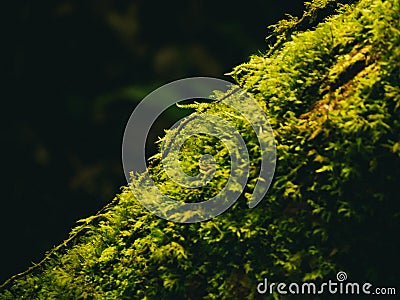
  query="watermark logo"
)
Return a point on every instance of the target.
[
  {"x": 339, "y": 287},
  {"x": 147, "y": 112},
  {"x": 341, "y": 276}
]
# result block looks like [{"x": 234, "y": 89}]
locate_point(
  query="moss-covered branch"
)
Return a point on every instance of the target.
[{"x": 331, "y": 91}]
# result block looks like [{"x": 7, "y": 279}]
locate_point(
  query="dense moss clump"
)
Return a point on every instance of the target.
[{"x": 330, "y": 84}]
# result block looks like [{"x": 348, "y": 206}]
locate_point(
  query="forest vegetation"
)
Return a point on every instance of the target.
[{"x": 330, "y": 85}]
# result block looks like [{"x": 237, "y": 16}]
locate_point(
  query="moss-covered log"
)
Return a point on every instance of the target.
[{"x": 330, "y": 84}]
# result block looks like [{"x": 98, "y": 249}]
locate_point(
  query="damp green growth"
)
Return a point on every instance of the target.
[{"x": 330, "y": 84}]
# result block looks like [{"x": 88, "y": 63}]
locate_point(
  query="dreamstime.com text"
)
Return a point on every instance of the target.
[{"x": 339, "y": 287}]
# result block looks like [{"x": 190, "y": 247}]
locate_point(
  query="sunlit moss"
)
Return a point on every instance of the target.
[{"x": 330, "y": 85}]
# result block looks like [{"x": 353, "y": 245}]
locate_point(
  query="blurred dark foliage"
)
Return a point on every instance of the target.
[{"x": 74, "y": 71}]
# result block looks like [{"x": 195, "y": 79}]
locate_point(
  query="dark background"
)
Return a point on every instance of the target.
[{"x": 74, "y": 71}]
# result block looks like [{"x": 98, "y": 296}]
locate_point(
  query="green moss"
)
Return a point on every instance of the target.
[{"x": 330, "y": 86}]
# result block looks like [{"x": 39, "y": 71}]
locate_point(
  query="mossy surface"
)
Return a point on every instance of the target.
[{"x": 330, "y": 85}]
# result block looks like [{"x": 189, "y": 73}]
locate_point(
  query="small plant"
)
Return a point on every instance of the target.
[{"x": 330, "y": 86}]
